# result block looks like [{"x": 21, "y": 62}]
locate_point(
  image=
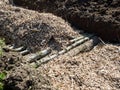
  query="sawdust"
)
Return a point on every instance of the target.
[{"x": 94, "y": 70}]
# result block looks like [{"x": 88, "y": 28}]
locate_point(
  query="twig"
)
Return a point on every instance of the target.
[{"x": 102, "y": 41}]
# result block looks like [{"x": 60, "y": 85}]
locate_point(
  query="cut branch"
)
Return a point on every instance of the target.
[
  {"x": 33, "y": 57},
  {"x": 48, "y": 58},
  {"x": 80, "y": 37},
  {"x": 25, "y": 52},
  {"x": 11, "y": 48}
]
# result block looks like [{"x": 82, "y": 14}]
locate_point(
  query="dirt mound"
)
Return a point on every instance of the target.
[
  {"x": 100, "y": 17},
  {"x": 94, "y": 70},
  {"x": 33, "y": 29}
]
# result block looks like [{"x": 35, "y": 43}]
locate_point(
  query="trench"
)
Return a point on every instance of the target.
[{"x": 77, "y": 13}]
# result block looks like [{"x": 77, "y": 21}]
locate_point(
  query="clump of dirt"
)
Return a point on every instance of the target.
[
  {"x": 33, "y": 29},
  {"x": 9, "y": 60},
  {"x": 25, "y": 77},
  {"x": 98, "y": 16}
]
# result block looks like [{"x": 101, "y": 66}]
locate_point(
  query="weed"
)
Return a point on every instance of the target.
[
  {"x": 2, "y": 44},
  {"x": 2, "y": 77},
  {"x": 3, "y": 74}
]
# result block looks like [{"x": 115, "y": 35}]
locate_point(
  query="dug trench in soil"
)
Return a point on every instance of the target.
[{"x": 101, "y": 17}]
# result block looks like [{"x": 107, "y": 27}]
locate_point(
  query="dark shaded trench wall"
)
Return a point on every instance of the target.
[{"x": 96, "y": 16}]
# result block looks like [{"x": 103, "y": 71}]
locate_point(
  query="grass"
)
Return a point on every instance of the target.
[
  {"x": 2, "y": 74},
  {"x": 2, "y": 77},
  {"x": 2, "y": 44}
]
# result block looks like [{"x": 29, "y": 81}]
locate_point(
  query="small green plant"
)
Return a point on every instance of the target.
[
  {"x": 1, "y": 86},
  {"x": 2, "y": 44},
  {"x": 2, "y": 77},
  {"x": 2, "y": 74}
]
